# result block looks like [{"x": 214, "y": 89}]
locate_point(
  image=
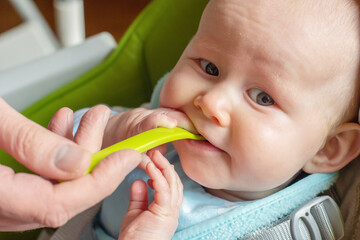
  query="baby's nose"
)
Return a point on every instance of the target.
[{"x": 213, "y": 108}]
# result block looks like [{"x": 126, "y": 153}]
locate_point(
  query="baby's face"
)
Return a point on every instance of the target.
[{"x": 256, "y": 85}]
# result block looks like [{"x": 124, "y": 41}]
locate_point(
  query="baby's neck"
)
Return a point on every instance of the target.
[{"x": 236, "y": 196}]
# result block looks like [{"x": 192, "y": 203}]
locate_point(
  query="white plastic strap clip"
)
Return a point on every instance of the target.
[{"x": 321, "y": 218}]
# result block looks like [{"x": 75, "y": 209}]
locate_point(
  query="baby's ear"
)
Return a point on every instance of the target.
[{"x": 340, "y": 149}]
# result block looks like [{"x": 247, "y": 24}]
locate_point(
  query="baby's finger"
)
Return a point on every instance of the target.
[
  {"x": 162, "y": 149},
  {"x": 182, "y": 120},
  {"x": 138, "y": 196},
  {"x": 165, "y": 167},
  {"x": 162, "y": 194},
  {"x": 169, "y": 174},
  {"x": 144, "y": 161},
  {"x": 180, "y": 191},
  {"x": 156, "y": 119},
  {"x": 159, "y": 160}
]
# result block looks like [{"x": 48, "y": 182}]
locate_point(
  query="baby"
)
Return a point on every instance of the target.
[{"x": 273, "y": 87}]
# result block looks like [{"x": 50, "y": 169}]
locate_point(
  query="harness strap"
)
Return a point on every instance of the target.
[
  {"x": 320, "y": 218},
  {"x": 73, "y": 228}
]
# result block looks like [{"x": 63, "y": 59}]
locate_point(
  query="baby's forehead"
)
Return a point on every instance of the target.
[
  {"x": 328, "y": 11},
  {"x": 330, "y": 26}
]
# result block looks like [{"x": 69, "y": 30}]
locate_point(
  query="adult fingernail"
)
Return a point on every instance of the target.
[
  {"x": 68, "y": 158},
  {"x": 70, "y": 119},
  {"x": 106, "y": 116}
]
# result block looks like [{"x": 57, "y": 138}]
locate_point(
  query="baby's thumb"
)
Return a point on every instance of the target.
[{"x": 138, "y": 196}]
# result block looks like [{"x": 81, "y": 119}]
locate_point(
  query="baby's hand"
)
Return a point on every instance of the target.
[
  {"x": 158, "y": 220},
  {"x": 127, "y": 124}
]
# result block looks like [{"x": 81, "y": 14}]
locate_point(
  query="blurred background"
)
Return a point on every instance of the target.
[
  {"x": 113, "y": 16},
  {"x": 45, "y": 44},
  {"x": 30, "y": 29}
]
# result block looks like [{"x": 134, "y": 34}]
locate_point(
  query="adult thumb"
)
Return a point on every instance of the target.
[{"x": 38, "y": 149}]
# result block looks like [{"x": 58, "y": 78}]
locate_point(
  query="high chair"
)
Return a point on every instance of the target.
[{"x": 148, "y": 50}]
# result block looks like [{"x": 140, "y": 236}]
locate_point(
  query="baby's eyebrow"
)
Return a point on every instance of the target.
[{"x": 269, "y": 61}]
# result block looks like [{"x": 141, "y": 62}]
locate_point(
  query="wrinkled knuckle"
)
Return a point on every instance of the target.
[
  {"x": 55, "y": 126},
  {"x": 56, "y": 218},
  {"x": 95, "y": 113},
  {"x": 137, "y": 111},
  {"x": 24, "y": 136},
  {"x": 87, "y": 120},
  {"x": 151, "y": 121}
]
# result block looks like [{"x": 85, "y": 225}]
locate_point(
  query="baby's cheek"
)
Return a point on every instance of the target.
[
  {"x": 169, "y": 95},
  {"x": 262, "y": 170}
]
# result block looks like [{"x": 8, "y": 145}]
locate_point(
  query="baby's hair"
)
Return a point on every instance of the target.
[
  {"x": 346, "y": 22},
  {"x": 351, "y": 113}
]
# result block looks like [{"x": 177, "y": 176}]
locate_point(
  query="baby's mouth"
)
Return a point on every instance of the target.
[
  {"x": 200, "y": 132},
  {"x": 208, "y": 144}
]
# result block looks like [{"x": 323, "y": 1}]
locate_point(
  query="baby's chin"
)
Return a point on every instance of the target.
[
  {"x": 234, "y": 195},
  {"x": 243, "y": 192}
]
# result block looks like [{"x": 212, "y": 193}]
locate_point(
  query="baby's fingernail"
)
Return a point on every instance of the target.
[
  {"x": 68, "y": 158},
  {"x": 144, "y": 161},
  {"x": 151, "y": 165},
  {"x": 70, "y": 117}
]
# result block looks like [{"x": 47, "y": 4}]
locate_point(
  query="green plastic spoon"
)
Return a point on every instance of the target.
[{"x": 145, "y": 141}]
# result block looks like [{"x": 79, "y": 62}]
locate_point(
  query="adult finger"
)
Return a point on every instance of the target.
[
  {"x": 14, "y": 225},
  {"x": 62, "y": 123},
  {"x": 53, "y": 205},
  {"x": 39, "y": 149},
  {"x": 94, "y": 187},
  {"x": 91, "y": 129}
]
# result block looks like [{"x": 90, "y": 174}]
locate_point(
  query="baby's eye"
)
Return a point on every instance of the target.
[
  {"x": 209, "y": 67},
  {"x": 261, "y": 97}
]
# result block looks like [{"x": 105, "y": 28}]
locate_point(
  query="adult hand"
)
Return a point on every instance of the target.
[{"x": 29, "y": 201}]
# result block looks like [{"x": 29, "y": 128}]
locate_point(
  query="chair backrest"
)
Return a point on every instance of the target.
[
  {"x": 31, "y": 39},
  {"x": 149, "y": 49},
  {"x": 22, "y": 86}
]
